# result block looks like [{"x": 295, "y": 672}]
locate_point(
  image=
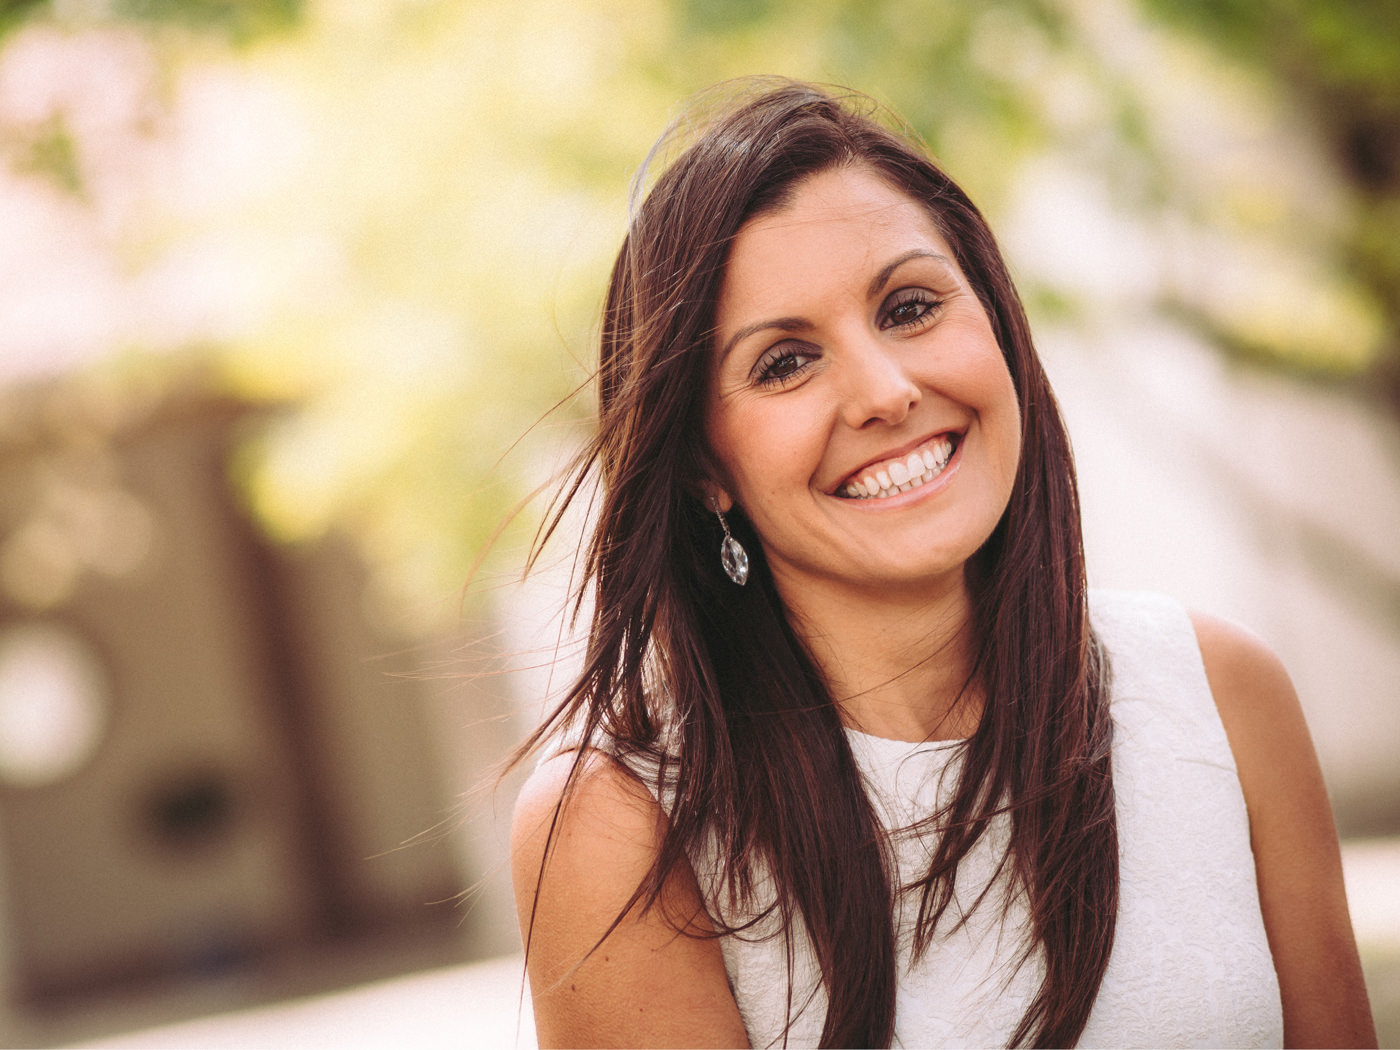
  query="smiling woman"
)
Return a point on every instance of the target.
[
  {"x": 911, "y": 783},
  {"x": 819, "y": 422}
]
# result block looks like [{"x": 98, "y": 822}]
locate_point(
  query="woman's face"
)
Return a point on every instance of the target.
[{"x": 859, "y": 409}]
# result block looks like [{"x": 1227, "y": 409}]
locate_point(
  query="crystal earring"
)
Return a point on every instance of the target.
[{"x": 731, "y": 552}]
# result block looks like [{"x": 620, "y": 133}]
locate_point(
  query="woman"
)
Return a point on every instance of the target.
[{"x": 852, "y": 760}]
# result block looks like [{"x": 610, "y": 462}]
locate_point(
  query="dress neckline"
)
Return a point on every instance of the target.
[
  {"x": 882, "y": 741},
  {"x": 885, "y": 751}
]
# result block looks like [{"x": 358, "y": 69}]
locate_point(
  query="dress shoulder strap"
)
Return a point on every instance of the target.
[{"x": 1159, "y": 685}]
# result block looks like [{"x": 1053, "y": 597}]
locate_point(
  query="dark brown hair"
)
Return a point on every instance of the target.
[{"x": 710, "y": 682}]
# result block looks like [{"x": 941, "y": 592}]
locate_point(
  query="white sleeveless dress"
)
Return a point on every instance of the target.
[{"x": 1190, "y": 964}]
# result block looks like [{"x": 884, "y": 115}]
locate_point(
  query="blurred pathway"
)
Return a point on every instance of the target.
[
  {"x": 457, "y": 1007},
  {"x": 477, "y": 1005}
]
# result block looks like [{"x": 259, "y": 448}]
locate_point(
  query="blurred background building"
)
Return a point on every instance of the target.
[{"x": 296, "y": 301}]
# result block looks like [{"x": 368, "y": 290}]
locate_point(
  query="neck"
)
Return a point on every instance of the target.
[{"x": 898, "y": 666}]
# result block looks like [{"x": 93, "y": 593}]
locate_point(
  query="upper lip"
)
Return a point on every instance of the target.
[{"x": 895, "y": 453}]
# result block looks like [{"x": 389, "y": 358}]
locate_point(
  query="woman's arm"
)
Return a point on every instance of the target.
[
  {"x": 1296, "y": 855},
  {"x": 645, "y": 984}
]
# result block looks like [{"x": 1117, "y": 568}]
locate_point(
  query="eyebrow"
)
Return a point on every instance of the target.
[
  {"x": 879, "y": 280},
  {"x": 782, "y": 324},
  {"x": 797, "y": 324}
]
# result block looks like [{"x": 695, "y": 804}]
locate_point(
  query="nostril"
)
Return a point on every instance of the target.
[
  {"x": 893, "y": 407},
  {"x": 879, "y": 388}
]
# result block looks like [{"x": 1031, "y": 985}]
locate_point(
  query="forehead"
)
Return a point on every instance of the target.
[{"x": 835, "y": 227}]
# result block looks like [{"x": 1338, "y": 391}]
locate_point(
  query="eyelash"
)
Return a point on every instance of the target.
[
  {"x": 910, "y": 297},
  {"x": 765, "y": 370}
]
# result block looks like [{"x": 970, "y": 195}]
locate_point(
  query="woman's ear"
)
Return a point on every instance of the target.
[
  {"x": 713, "y": 495},
  {"x": 703, "y": 484},
  {"x": 718, "y": 498}
]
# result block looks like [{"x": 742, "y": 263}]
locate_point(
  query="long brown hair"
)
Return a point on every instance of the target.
[{"x": 710, "y": 683}]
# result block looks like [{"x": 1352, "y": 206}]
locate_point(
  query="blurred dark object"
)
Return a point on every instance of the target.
[{"x": 204, "y": 759}]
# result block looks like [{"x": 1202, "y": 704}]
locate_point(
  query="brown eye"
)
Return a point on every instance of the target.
[
  {"x": 909, "y": 308},
  {"x": 906, "y": 312},
  {"x": 783, "y": 367},
  {"x": 783, "y": 364}
]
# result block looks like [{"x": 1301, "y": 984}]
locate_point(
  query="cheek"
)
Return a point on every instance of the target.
[
  {"x": 1009, "y": 433},
  {"x": 746, "y": 453},
  {"x": 766, "y": 454},
  {"x": 992, "y": 392},
  {"x": 736, "y": 453}
]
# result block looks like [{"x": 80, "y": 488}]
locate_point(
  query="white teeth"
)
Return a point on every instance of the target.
[{"x": 901, "y": 475}]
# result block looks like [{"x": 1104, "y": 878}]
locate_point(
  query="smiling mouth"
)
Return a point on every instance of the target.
[{"x": 891, "y": 477}]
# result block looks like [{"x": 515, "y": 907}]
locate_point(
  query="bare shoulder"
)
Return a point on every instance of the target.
[
  {"x": 602, "y": 800},
  {"x": 1244, "y": 672},
  {"x": 1294, "y": 839},
  {"x": 1256, "y": 699},
  {"x": 1268, "y": 736},
  {"x": 605, "y": 970},
  {"x": 585, "y": 832}
]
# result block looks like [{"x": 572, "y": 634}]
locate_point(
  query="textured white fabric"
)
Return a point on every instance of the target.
[{"x": 1190, "y": 963}]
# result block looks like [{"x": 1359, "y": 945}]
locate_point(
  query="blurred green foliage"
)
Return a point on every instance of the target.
[
  {"x": 52, "y": 154},
  {"x": 239, "y": 21},
  {"x": 400, "y": 213},
  {"x": 1338, "y": 61},
  {"x": 13, "y": 12}
]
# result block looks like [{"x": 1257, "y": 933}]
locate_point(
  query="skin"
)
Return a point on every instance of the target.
[
  {"x": 847, "y": 335},
  {"x": 646, "y": 985},
  {"x": 1296, "y": 855},
  {"x": 845, "y": 332}
]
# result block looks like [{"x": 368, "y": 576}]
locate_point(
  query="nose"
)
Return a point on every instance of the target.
[{"x": 877, "y": 386}]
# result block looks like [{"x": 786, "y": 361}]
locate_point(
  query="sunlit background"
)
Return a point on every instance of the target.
[{"x": 295, "y": 299}]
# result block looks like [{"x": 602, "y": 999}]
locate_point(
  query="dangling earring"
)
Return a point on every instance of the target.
[{"x": 731, "y": 552}]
